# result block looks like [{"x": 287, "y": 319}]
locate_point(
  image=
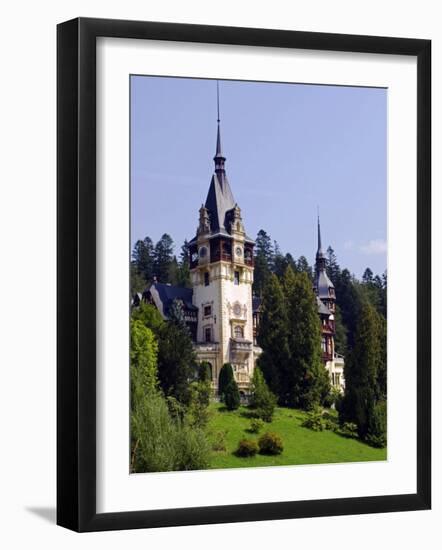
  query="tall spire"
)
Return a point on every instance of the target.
[
  {"x": 319, "y": 237},
  {"x": 320, "y": 257},
  {"x": 219, "y": 158}
]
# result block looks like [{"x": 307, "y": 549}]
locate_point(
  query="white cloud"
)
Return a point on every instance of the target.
[
  {"x": 375, "y": 246},
  {"x": 348, "y": 245}
]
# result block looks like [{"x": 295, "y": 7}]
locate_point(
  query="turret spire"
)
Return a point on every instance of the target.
[
  {"x": 319, "y": 252},
  {"x": 219, "y": 158},
  {"x": 320, "y": 257}
]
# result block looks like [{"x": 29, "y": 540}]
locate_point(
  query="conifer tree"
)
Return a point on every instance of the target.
[
  {"x": 273, "y": 337},
  {"x": 176, "y": 358},
  {"x": 163, "y": 257},
  {"x": 143, "y": 258},
  {"x": 304, "y": 267},
  {"x": 333, "y": 269},
  {"x": 364, "y": 378},
  {"x": 183, "y": 269},
  {"x": 264, "y": 259},
  {"x": 263, "y": 400},
  {"x": 231, "y": 395},
  {"x": 306, "y": 381},
  {"x": 225, "y": 377}
]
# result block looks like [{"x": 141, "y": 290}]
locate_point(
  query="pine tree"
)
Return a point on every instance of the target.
[
  {"x": 333, "y": 269},
  {"x": 263, "y": 400},
  {"x": 340, "y": 333},
  {"x": 163, "y": 257},
  {"x": 291, "y": 262},
  {"x": 176, "y": 358},
  {"x": 183, "y": 268},
  {"x": 363, "y": 373},
  {"x": 280, "y": 263},
  {"x": 304, "y": 267},
  {"x": 367, "y": 277},
  {"x": 143, "y": 258},
  {"x": 264, "y": 259},
  {"x": 349, "y": 299},
  {"x": 273, "y": 336},
  {"x": 306, "y": 381}
]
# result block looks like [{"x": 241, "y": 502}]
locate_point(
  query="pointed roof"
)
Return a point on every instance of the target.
[
  {"x": 219, "y": 201},
  {"x": 322, "y": 282},
  {"x": 319, "y": 253}
]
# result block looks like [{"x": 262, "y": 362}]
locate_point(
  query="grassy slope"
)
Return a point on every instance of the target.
[{"x": 301, "y": 445}]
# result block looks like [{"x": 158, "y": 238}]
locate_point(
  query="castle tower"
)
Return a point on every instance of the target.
[
  {"x": 325, "y": 292},
  {"x": 221, "y": 267}
]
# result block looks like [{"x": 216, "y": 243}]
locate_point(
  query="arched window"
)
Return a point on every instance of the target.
[{"x": 238, "y": 332}]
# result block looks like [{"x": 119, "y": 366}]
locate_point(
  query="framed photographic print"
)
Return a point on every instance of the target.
[{"x": 243, "y": 274}]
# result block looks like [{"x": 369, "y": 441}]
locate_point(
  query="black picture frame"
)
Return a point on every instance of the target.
[{"x": 76, "y": 274}]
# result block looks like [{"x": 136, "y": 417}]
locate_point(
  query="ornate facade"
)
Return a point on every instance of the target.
[
  {"x": 220, "y": 310},
  {"x": 221, "y": 267}
]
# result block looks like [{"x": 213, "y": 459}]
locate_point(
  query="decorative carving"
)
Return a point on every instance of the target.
[{"x": 204, "y": 225}]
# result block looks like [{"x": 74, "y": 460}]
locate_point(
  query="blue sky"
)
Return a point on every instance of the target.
[{"x": 290, "y": 149}]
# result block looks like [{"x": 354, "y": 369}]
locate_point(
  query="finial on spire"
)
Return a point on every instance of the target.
[
  {"x": 219, "y": 157},
  {"x": 319, "y": 252},
  {"x": 217, "y": 98}
]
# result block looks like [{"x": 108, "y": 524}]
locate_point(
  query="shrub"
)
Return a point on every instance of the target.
[
  {"x": 331, "y": 421},
  {"x": 315, "y": 421},
  {"x": 270, "y": 444},
  {"x": 263, "y": 400},
  {"x": 332, "y": 398},
  {"x": 163, "y": 443},
  {"x": 348, "y": 429},
  {"x": 231, "y": 396},
  {"x": 198, "y": 408},
  {"x": 255, "y": 425},
  {"x": 247, "y": 447},
  {"x": 219, "y": 441},
  {"x": 153, "y": 432},
  {"x": 225, "y": 377},
  {"x": 192, "y": 449},
  {"x": 205, "y": 372}
]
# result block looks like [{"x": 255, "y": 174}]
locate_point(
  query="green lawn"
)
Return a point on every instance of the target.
[{"x": 301, "y": 445}]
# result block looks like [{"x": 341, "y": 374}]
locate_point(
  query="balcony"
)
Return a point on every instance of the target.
[
  {"x": 206, "y": 347},
  {"x": 240, "y": 349}
]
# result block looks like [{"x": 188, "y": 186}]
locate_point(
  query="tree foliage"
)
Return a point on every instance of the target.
[
  {"x": 225, "y": 376},
  {"x": 231, "y": 396},
  {"x": 163, "y": 258},
  {"x": 262, "y": 400},
  {"x": 273, "y": 336},
  {"x": 176, "y": 357},
  {"x": 306, "y": 380},
  {"x": 365, "y": 376}
]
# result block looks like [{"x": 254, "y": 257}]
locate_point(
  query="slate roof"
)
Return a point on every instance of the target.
[
  {"x": 163, "y": 295},
  {"x": 219, "y": 202},
  {"x": 322, "y": 308},
  {"x": 323, "y": 283}
]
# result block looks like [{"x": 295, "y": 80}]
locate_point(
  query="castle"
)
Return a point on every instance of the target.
[{"x": 220, "y": 309}]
